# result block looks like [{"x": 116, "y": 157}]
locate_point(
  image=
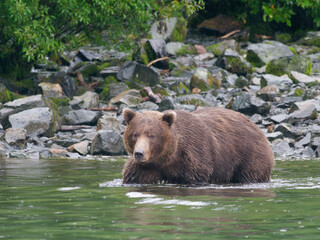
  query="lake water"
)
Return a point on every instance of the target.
[{"x": 84, "y": 199}]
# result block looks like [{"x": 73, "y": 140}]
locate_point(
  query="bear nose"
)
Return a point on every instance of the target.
[{"x": 139, "y": 155}]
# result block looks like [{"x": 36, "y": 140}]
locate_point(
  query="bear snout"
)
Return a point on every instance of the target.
[{"x": 139, "y": 155}]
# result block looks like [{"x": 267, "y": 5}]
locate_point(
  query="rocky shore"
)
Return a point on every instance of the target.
[{"x": 75, "y": 108}]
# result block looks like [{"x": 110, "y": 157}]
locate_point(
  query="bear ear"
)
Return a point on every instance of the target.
[
  {"x": 169, "y": 117},
  {"x": 128, "y": 115}
]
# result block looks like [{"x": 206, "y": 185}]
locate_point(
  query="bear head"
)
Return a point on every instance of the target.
[{"x": 148, "y": 137}]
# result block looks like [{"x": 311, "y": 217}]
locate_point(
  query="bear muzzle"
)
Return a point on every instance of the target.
[{"x": 141, "y": 151}]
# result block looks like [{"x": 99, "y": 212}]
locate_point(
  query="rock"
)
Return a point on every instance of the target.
[
  {"x": 111, "y": 123},
  {"x": 218, "y": 49},
  {"x": 150, "y": 106},
  {"x": 279, "y": 118},
  {"x": 21, "y": 104},
  {"x": 130, "y": 98},
  {"x": 273, "y": 136},
  {"x": 311, "y": 39},
  {"x": 156, "y": 48},
  {"x": 194, "y": 99},
  {"x": 306, "y": 111},
  {"x": 66, "y": 82},
  {"x": 233, "y": 62},
  {"x": 305, "y": 141},
  {"x": 58, "y": 152},
  {"x": 87, "y": 100},
  {"x": 107, "y": 142},
  {"x": 4, "y": 94},
  {"x": 316, "y": 143},
  {"x": 285, "y": 129},
  {"x": 219, "y": 25},
  {"x": 109, "y": 71},
  {"x": 37, "y": 121},
  {"x": 166, "y": 103},
  {"x": 138, "y": 75},
  {"x": 16, "y": 136},
  {"x": 301, "y": 78},
  {"x": 4, "y": 115},
  {"x": 89, "y": 56},
  {"x": 81, "y": 147},
  {"x": 168, "y": 30},
  {"x": 260, "y": 54},
  {"x": 116, "y": 88},
  {"x": 268, "y": 93},
  {"x": 287, "y": 102},
  {"x": 204, "y": 56},
  {"x": 247, "y": 103},
  {"x": 203, "y": 80},
  {"x": 174, "y": 47},
  {"x": 283, "y": 83},
  {"x": 285, "y": 65},
  {"x": 282, "y": 149},
  {"x": 81, "y": 116},
  {"x": 51, "y": 89}
]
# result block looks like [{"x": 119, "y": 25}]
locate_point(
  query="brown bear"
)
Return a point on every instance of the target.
[{"x": 211, "y": 145}]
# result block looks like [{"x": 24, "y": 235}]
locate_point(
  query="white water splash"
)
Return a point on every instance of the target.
[
  {"x": 68, "y": 188},
  {"x": 153, "y": 199}
]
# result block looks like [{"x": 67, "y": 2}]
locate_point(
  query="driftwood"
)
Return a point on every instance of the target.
[
  {"x": 156, "y": 60},
  {"x": 103, "y": 109},
  {"x": 153, "y": 97},
  {"x": 66, "y": 128},
  {"x": 82, "y": 82},
  {"x": 229, "y": 34}
]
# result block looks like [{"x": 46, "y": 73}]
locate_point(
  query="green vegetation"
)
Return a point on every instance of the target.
[{"x": 32, "y": 30}]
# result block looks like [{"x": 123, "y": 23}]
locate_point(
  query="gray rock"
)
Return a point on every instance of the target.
[
  {"x": 307, "y": 111},
  {"x": 204, "y": 56},
  {"x": 247, "y": 103},
  {"x": 282, "y": 149},
  {"x": 233, "y": 62},
  {"x": 138, "y": 74},
  {"x": 111, "y": 123},
  {"x": 204, "y": 80},
  {"x": 87, "y": 55},
  {"x": 283, "y": 83},
  {"x": 166, "y": 103},
  {"x": 261, "y": 53},
  {"x": 109, "y": 71},
  {"x": 130, "y": 98},
  {"x": 81, "y": 147},
  {"x": 21, "y": 104},
  {"x": 256, "y": 118},
  {"x": 148, "y": 106},
  {"x": 273, "y": 136},
  {"x": 82, "y": 116},
  {"x": 285, "y": 129},
  {"x": 219, "y": 48},
  {"x": 268, "y": 93},
  {"x": 51, "y": 89},
  {"x": 4, "y": 115},
  {"x": 316, "y": 142},
  {"x": 87, "y": 100},
  {"x": 37, "y": 121},
  {"x": 16, "y": 136},
  {"x": 301, "y": 78},
  {"x": 285, "y": 65},
  {"x": 174, "y": 47},
  {"x": 163, "y": 29},
  {"x": 304, "y": 141},
  {"x": 107, "y": 142},
  {"x": 279, "y": 118},
  {"x": 67, "y": 83},
  {"x": 155, "y": 49},
  {"x": 116, "y": 88}
]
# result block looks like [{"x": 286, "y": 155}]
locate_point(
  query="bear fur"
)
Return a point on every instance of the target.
[{"x": 211, "y": 145}]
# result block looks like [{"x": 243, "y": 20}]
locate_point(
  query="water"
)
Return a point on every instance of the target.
[{"x": 85, "y": 199}]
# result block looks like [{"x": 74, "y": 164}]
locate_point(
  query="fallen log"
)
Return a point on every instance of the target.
[{"x": 153, "y": 97}]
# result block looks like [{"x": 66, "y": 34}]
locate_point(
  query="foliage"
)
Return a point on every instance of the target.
[{"x": 32, "y": 29}]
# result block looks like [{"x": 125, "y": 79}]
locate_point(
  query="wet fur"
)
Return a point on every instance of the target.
[{"x": 211, "y": 145}]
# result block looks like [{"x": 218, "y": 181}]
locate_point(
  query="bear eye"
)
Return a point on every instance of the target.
[
  {"x": 151, "y": 136},
  {"x": 135, "y": 135}
]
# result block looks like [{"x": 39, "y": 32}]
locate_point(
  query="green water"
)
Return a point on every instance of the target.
[{"x": 84, "y": 199}]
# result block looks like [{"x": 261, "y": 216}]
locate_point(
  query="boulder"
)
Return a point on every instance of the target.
[
  {"x": 260, "y": 54},
  {"x": 233, "y": 62},
  {"x": 218, "y": 49},
  {"x": 204, "y": 80},
  {"x": 81, "y": 147},
  {"x": 305, "y": 112},
  {"x": 130, "y": 98},
  {"x": 36, "y": 121},
  {"x": 169, "y": 30},
  {"x": 51, "y": 89},
  {"x": 155, "y": 49},
  {"x": 268, "y": 93},
  {"x": 285, "y": 65},
  {"x": 85, "y": 101},
  {"x": 283, "y": 83},
  {"x": 138, "y": 75},
  {"x": 219, "y": 25},
  {"x": 249, "y": 104},
  {"x": 25, "y": 103},
  {"x": 108, "y": 122},
  {"x": 281, "y": 148},
  {"x": 81, "y": 116},
  {"x": 107, "y": 142},
  {"x": 16, "y": 136},
  {"x": 174, "y": 47},
  {"x": 298, "y": 77}
]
